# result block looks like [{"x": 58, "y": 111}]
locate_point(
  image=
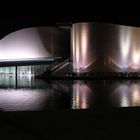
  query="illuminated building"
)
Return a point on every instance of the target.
[
  {"x": 33, "y": 44},
  {"x": 108, "y": 47},
  {"x": 95, "y": 47}
]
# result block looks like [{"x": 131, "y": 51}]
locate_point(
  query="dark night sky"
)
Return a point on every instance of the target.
[{"x": 17, "y": 18}]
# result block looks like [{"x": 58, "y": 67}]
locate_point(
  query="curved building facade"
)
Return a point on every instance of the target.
[
  {"x": 95, "y": 47},
  {"x": 83, "y": 50},
  {"x": 105, "y": 47},
  {"x": 34, "y": 43}
]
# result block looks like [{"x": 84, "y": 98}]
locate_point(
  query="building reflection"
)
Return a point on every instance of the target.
[
  {"x": 23, "y": 82},
  {"x": 135, "y": 95},
  {"x": 33, "y": 94},
  {"x": 126, "y": 95},
  {"x": 81, "y": 95},
  {"x": 29, "y": 95},
  {"x": 23, "y": 99}
]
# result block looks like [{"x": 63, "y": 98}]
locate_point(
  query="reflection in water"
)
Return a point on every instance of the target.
[
  {"x": 81, "y": 95},
  {"x": 22, "y": 99},
  {"x": 30, "y": 94},
  {"x": 126, "y": 95},
  {"x": 34, "y": 94},
  {"x": 136, "y": 95},
  {"x": 124, "y": 101},
  {"x": 122, "y": 90}
]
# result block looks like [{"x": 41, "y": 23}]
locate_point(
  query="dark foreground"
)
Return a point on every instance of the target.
[{"x": 115, "y": 123}]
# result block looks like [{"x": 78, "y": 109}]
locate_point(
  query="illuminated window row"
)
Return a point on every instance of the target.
[{"x": 38, "y": 69}]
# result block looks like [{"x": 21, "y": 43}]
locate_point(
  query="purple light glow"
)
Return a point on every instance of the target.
[
  {"x": 82, "y": 53},
  {"x": 25, "y": 43},
  {"x": 126, "y": 95},
  {"x": 20, "y": 100}
]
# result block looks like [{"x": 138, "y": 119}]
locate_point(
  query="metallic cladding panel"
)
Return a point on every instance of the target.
[
  {"x": 83, "y": 47},
  {"x": 36, "y": 42},
  {"x": 107, "y": 47}
]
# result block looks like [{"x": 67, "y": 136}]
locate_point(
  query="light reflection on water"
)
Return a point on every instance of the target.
[
  {"x": 32, "y": 94},
  {"x": 22, "y": 99},
  {"x": 126, "y": 94},
  {"x": 81, "y": 94}
]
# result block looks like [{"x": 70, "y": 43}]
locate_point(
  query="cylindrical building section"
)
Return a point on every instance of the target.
[
  {"x": 123, "y": 48},
  {"x": 82, "y": 50},
  {"x": 102, "y": 47},
  {"x": 82, "y": 95}
]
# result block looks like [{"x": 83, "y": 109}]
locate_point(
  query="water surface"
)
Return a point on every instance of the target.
[{"x": 32, "y": 94}]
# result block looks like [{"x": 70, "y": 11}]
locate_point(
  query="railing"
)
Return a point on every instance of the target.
[{"x": 59, "y": 65}]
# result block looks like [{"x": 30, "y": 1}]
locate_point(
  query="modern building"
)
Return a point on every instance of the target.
[
  {"x": 33, "y": 44},
  {"x": 103, "y": 47},
  {"x": 91, "y": 47}
]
